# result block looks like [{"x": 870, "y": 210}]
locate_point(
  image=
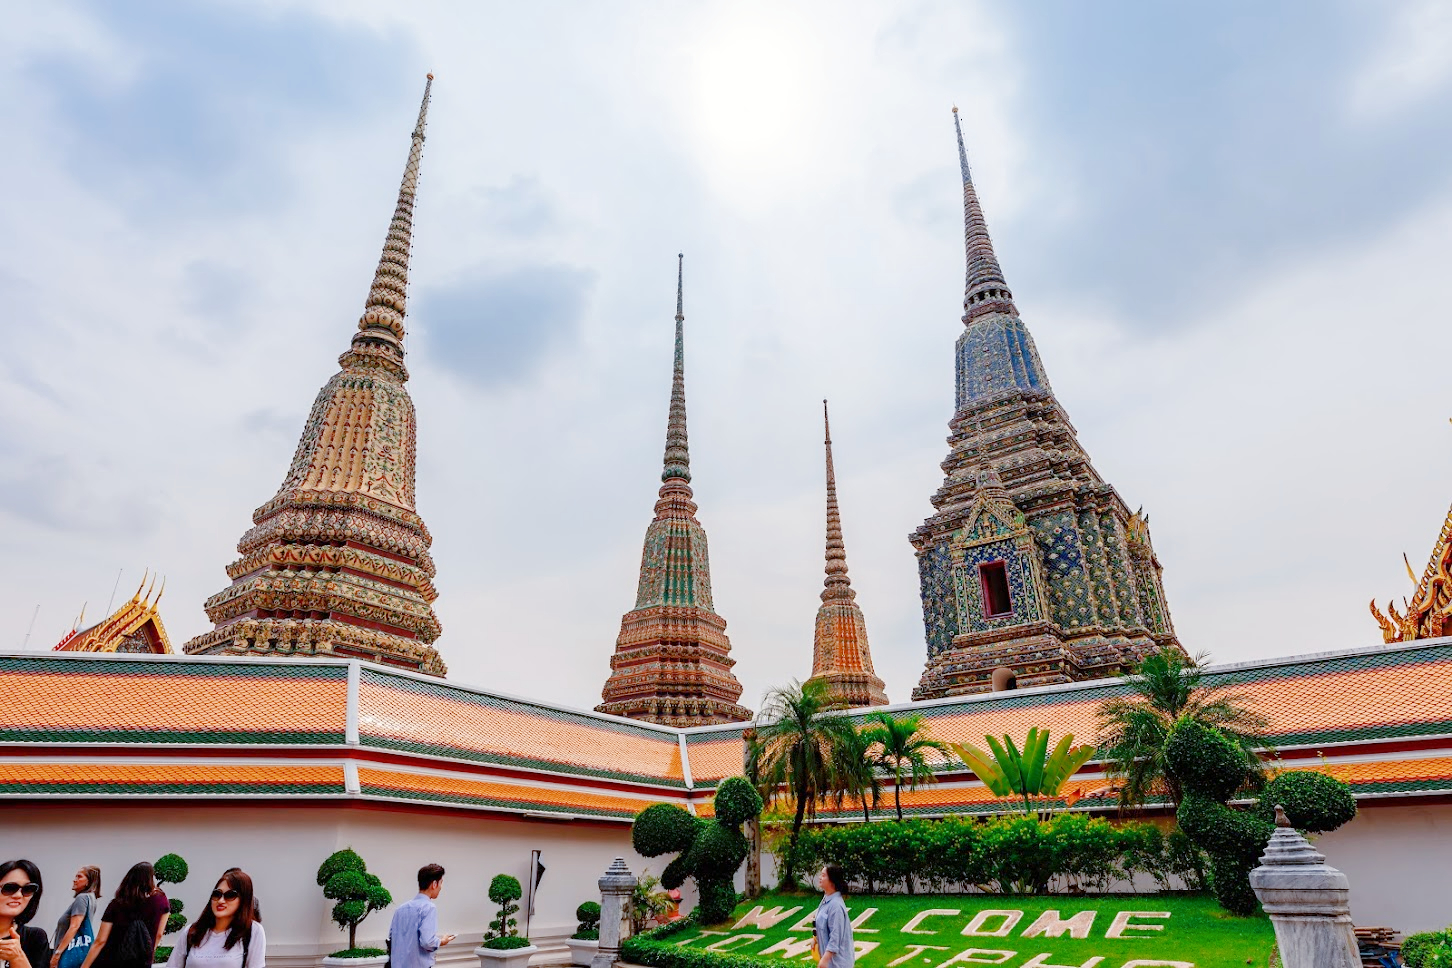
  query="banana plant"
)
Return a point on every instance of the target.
[{"x": 1033, "y": 772}]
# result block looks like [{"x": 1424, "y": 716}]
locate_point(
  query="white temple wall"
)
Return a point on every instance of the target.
[
  {"x": 281, "y": 846},
  {"x": 1398, "y": 860}
]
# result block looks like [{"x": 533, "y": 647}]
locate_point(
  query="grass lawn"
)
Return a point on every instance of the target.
[{"x": 1017, "y": 931}]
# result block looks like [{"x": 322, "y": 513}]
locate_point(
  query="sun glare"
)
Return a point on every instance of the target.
[{"x": 755, "y": 81}]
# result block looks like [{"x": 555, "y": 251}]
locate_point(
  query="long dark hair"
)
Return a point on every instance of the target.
[
  {"x": 32, "y": 872},
  {"x": 136, "y": 886},
  {"x": 242, "y": 921}
]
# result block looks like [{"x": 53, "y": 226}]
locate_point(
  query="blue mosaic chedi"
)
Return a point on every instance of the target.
[{"x": 1031, "y": 563}]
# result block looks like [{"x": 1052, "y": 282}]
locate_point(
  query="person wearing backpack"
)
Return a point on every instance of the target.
[
  {"x": 132, "y": 923},
  {"x": 76, "y": 928},
  {"x": 229, "y": 933},
  {"x": 21, "y": 946}
]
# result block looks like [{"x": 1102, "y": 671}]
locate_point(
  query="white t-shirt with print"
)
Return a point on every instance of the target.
[{"x": 212, "y": 953}]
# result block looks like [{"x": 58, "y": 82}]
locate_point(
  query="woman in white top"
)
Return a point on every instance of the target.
[{"x": 228, "y": 934}]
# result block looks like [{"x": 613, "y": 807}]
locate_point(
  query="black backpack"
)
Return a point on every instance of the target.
[{"x": 134, "y": 948}]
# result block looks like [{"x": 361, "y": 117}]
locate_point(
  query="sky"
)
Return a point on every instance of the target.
[{"x": 1227, "y": 225}]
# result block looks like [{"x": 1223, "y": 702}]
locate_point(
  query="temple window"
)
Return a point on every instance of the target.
[{"x": 993, "y": 576}]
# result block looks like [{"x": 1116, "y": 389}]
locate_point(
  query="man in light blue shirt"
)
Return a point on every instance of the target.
[
  {"x": 834, "y": 927},
  {"x": 413, "y": 935}
]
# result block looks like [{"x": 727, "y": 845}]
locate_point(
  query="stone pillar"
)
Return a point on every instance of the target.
[
  {"x": 1307, "y": 900},
  {"x": 616, "y": 885}
]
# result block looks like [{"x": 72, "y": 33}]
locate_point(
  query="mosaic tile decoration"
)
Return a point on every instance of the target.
[
  {"x": 337, "y": 562},
  {"x": 1094, "y": 575}
]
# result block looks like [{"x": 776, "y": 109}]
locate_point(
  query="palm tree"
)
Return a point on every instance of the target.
[
  {"x": 798, "y": 735},
  {"x": 855, "y": 773},
  {"x": 1168, "y": 688},
  {"x": 1032, "y": 773},
  {"x": 903, "y": 745}
]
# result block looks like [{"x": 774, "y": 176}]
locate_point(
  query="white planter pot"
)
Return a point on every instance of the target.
[
  {"x": 374, "y": 961},
  {"x": 582, "y": 952},
  {"x": 505, "y": 958}
]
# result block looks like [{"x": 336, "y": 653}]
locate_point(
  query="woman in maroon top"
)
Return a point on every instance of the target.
[{"x": 132, "y": 924}]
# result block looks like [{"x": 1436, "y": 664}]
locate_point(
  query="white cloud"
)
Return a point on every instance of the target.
[{"x": 1412, "y": 59}]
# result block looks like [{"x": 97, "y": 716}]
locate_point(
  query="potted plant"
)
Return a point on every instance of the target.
[
  {"x": 503, "y": 947},
  {"x": 344, "y": 878},
  {"x": 585, "y": 942}
]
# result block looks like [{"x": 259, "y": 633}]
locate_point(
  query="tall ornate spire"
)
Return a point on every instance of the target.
[
  {"x": 838, "y": 585},
  {"x": 840, "y": 654},
  {"x": 672, "y": 662},
  {"x": 337, "y": 563},
  {"x": 1030, "y": 561},
  {"x": 379, "y": 340},
  {"x": 677, "y": 450},
  {"x": 984, "y": 288}
]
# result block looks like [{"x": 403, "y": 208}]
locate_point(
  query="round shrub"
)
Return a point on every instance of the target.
[
  {"x": 1205, "y": 761},
  {"x": 663, "y": 828},
  {"x": 588, "y": 913},
  {"x": 736, "y": 801},
  {"x": 1314, "y": 802},
  {"x": 504, "y": 889},
  {"x": 346, "y": 884},
  {"x": 170, "y": 869},
  {"x": 350, "y": 912},
  {"x": 344, "y": 860}
]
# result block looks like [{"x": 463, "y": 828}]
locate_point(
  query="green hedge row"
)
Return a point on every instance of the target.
[
  {"x": 1006, "y": 855},
  {"x": 653, "y": 950}
]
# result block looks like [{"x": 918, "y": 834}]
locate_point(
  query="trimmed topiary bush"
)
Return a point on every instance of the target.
[
  {"x": 344, "y": 878},
  {"x": 588, "y": 914},
  {"x": 710, "y": 850},
  {"x": 1210, "y": 769},
  {"x": 172, "y": 869},
  {"x": 1314, "y": 802},
  {"x": 502, "y": 934}
]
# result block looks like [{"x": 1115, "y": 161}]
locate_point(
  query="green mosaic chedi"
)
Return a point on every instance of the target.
[
  {"x": 1031, "y": 563},
  {"x": 672, "y": 662}
]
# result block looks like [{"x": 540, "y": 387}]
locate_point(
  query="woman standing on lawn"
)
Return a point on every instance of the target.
[{"x": 833, "y": 926}]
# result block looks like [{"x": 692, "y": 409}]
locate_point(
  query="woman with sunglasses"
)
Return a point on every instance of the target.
[
  {"x": 228, "y": 934},
  {"x": 132, "y": 923},
  {"x": 21, "y": 946}
]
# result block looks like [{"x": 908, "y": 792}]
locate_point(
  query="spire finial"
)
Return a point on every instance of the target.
[
  {"x": 677, "y": 453},
  {"x": 838, "y": 585},
  {"x": 984, "y": 289},
  {"x": 380, "y": 330}
]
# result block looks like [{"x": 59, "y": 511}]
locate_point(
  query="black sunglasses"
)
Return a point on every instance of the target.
[
  {"x": 225, "y": 895},
  {"x": 24, "y": 890}
]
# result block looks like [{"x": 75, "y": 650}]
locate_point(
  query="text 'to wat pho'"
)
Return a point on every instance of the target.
[{"x": 1033, "y": 570}]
